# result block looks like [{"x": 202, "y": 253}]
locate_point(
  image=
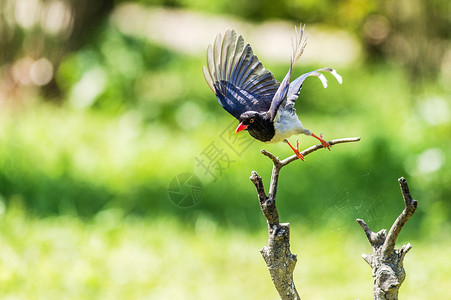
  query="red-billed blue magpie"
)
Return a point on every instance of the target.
[{"x": 250, "y": 93}]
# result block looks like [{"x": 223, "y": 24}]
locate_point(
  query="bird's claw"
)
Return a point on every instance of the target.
[
  {"x": 323, "y": 142},
  {"x": 296, "y": 150},
  {"x": 299, "y": 155}
]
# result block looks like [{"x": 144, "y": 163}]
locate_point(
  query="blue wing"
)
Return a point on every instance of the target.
[{"x": 237, "y": 77}]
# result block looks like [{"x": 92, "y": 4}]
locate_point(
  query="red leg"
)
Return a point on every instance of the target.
[
  {"x": 323, "y": 142},
  {"x": 296, "y": 151}
]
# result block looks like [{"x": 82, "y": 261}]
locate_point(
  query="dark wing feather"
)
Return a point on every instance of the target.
[{"x": 237, "y": 77}]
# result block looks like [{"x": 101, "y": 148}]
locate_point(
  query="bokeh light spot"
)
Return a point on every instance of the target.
[
  {"x": 41, "y": 71},
  {"x": 430, "y": 160},
  {"x": 434, "y": 110}
]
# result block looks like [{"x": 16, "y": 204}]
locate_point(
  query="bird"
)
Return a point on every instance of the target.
[{"x": 250, "y": 93}]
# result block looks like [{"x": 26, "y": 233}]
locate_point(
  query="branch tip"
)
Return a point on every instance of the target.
[
  {"x": 409, "y": 202},
  {"x": 360, "y": 221},
  {"x": 364, "y": 226},
  {"x": 254, "y": 176},
  {"x": 271, "y": 156},
  {"x": 407, "y": 247}
]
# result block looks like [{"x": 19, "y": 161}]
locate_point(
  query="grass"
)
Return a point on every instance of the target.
[{"x": 117, "y": 257}]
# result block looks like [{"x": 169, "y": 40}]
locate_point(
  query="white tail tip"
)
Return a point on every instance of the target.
[
  {"x": 337, "y": 76},
  {"x": 323, "y": 80}
]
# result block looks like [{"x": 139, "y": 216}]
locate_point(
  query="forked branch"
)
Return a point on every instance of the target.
[
  {"x": 386, "y": 261},
  {"x": 277, "y": 255}
]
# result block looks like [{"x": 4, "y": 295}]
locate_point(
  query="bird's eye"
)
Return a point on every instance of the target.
[{"x": 251, "y": 120}]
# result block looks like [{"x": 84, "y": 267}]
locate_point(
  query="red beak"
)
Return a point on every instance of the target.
[{"x": 240, "y": 127}]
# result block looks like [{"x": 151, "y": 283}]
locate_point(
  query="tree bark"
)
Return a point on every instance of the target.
[
  {"x": 386, "y": 261},
  {"x": 277, "y": 255}
]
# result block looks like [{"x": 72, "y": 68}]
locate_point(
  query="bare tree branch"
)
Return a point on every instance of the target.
[
  {"x": 375, "y": 239},
  {"x": 280, "y": 261},
  {"x": 277, "y": 255},
  {"x": 410, "y": 207},
  {"x": 386, "y": 261},
  {"x": 307, "y": 151},
  {"x": 270, "y": 155},
  {"x": 267, "y": 204}
]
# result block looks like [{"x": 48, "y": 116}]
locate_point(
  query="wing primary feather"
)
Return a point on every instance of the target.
[
  {"x": 263, "y": 86},
  {"x": 238, "y": 69},
  {"x": 211, "y": 63},
  {"x": 207, "y": 77},
  {"x": 237, "y": 77},
  {"x": 254, "y": 65},
  {"x": 217, "y": 56},
  {"x": 242, "y": 68},
  {"x": 240, "y": 81},
  {"x": 256, "y": 82},
  {"x": 239, "y": 50},
  {"x": 224, "y": 52},
  {"x": 230, "y": 55}
]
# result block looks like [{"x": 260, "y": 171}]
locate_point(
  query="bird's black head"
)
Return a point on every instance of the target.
[{"x": 258, "y": 124}]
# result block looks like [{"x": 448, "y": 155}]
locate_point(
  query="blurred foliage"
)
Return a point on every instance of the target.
[
  {"x": 133, "y": 114},
  {"x": 121, "y": 146},
  {"x": 117, "y": 257},
  {"x": 40, "y": 34},
  {"x": 329, "y": 12},
  {"x": 46, "y": 30},
  {"x": 414, "y": 33}
]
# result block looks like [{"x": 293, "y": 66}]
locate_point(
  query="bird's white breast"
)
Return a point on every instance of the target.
[{"x": 286, "y": 124}]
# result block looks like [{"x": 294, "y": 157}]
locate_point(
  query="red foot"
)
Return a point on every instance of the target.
[
  {"x": 296, "y": 151},
  {"x": 323, "y": 142}
]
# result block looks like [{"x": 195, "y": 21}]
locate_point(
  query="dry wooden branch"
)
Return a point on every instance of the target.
[
  {"x": 386, "y": 261},
  {"x": 278, "y": 257}
]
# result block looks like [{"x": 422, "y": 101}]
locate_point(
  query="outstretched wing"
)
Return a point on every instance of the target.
[
  {"x": 290, "y": 91},
  {"x": 237, "y": 77},
  {"x": 296, "y": 85},
  {"x": 283, "y": 90}
]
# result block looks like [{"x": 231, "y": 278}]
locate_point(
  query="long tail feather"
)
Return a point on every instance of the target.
[
  {"x": 299, "y": 45},
  {"x": 296, "y": 85}
]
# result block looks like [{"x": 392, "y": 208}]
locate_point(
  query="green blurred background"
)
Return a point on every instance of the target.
[{"x": 103, "y": 104}]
